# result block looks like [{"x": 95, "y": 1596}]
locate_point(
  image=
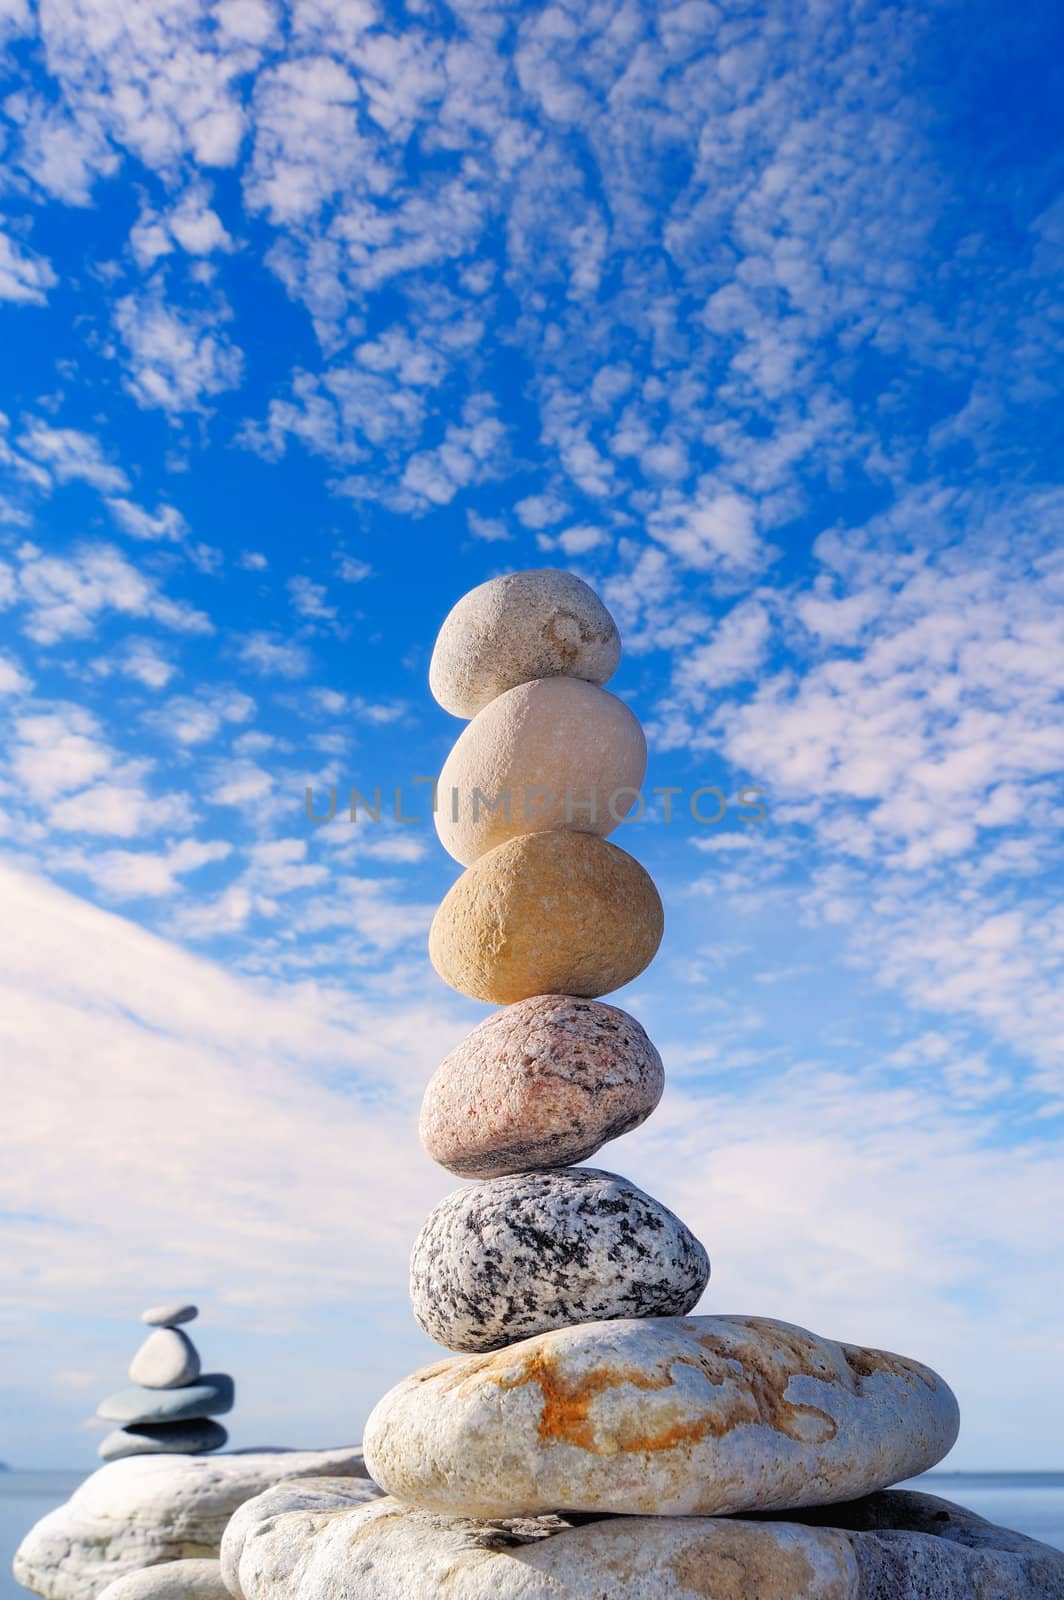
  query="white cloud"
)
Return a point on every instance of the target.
[
  {"x": 713, "y": 530},
  {"x": 274, "y": 657},
  {"x": 350, "y": 569},
  {"x": 575, "y": 541},
  {"x": 540, "y": 510},
  {"x": 159, "y": 81},
  {"x": 25, "y": 277},
  {"x": 64, "y": 154},
  {"x": 191, "y": 224},
  {"x": 192, "y": 720},
  {"x": 122, "y": 810},
  {"x": 240, "y": 783},
  {"x": 470, "y": 452},
  {"x": 12, "y": 678},
  {"x": 65, "y": 597},
  {"x": 71, "y": 456},
  {"x": 57, "y": 751},
  {"x": 309, "y": 599},
  {"x": 177, "y": 359},
  {"x": 141, "y": 660},
  {"x": 492, "y": 530},
  {"x": 143, "y": 874},
  {"x": 166, "y": 522}
]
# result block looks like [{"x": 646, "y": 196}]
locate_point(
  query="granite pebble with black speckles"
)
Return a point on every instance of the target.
[{"x": 507, "y": 1258}]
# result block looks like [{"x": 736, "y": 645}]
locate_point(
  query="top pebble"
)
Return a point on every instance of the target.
[
  {"x": 537, "y": 624},
  {"x": 169, "y": 1316}
]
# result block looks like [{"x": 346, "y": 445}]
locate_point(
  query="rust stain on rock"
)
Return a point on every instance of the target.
[
  {"x": 757, "y": 1399},
  {"x": 874, "y": 1363}
]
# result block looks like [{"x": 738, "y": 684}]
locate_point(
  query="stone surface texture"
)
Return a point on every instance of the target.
[
  {"x": 163, "y": 1438},
  {"x": 212, "y": 1396},
  {"x": 315, "y": 1499},
  {"x": 548, "y": 913},
  {"x": 511, "y": 1257},
  {"x": 166, "y": 1359},
  {"x": 542, "y": 623},
  {"x": 554, "y": 753},
  {"x": 894, "y": 1546},
  {"x": 543, "y": 1083},
  {"x": 149, "y": 1509},
  {"x": 674, "y": 1416},
  {"x": 170, "y": 1315},
  {"x": 172, "y": 1580}
]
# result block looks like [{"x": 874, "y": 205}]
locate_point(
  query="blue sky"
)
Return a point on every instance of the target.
[{"x": 313, "y": 318}]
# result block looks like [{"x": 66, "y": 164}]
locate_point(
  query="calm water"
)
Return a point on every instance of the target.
[{"x": 1032, "y": 1502}]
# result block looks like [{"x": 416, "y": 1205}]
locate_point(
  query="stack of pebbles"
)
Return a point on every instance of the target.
[
  {"x": 547, "y": 916},
  {"x": 584, "y": 1385},
  {"x": 168, "y": 1410}
]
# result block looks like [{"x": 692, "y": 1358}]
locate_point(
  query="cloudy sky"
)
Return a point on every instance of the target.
[{"x": 313, "y": 318}]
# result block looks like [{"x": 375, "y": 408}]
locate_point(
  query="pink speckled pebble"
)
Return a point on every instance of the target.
[{"x": 542, "y": 1083}]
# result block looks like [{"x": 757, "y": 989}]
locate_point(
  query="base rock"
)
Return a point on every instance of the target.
[
  {"x": 659, "y": 1416},
  {"x": 889, "y": 1546},
  {"x": 148, "y": 1509}
]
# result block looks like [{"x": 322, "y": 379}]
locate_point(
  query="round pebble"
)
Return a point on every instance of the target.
[
  {"x": 191, "y": 1438},
  {"x": 166, "y": 1360},
  {"x": 169, "y": 1316},
  {"x": 542, "y": 623},
  {"x": 547, "y": 913},
  {"x": 554, "y": 753},
  {"x": 512, "y": 1257},
  {"x": 212, "y": 1396},
  {"x": 543, "y": 1083}
]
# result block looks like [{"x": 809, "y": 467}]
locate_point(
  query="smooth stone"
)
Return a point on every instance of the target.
[
  {"x": 163, "y": 1438},
  {"x": 548, "y": 913},
  {"x": 893, "y": 1546},
  {"x": 148, "y": 1509},
  {"x": 171, "y": 1580},
  {"x": 554, "y": 753},
  {"x": 676, "y": 1416},
  {"x": 509, "y": 1258},
  {"x": 543, "y": 1083},
  {"x": 212, "y": 1396},
  {"x": 313, "y": 1498},
  {"x": 542, "y": 623},
  {"x": 166, "y": 1360},
  {"x": 170, "y": 1315}
]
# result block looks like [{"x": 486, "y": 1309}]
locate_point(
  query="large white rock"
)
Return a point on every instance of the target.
[
  {"x": 171, "y": 1580},
  {"x": 554, "y": 753},
  {"x": 536, "y": 624},
  {"x": 666, "y": 1416},
  {"x": 147, "y": 1509},
  {"x": 314, "y": 1499},
  {"x": 894, "y": 1546}
]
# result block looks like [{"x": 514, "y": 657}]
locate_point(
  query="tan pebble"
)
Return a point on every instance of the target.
[{"x": 547, "y": 913}]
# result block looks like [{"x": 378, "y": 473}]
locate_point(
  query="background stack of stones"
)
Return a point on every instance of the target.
[
  {"x": 169, "y": 1407},
  {"x": 584, "y": 1384}
]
